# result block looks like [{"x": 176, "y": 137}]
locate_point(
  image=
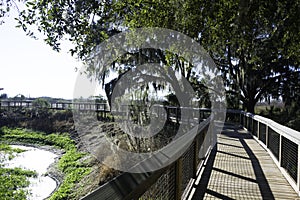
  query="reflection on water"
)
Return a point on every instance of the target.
[{"x": 36, "y": 160}]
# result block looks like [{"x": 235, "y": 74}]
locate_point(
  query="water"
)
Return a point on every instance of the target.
[{"x": 36, "y": 160}]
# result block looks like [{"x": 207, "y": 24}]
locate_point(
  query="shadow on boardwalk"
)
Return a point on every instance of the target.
[{"x": 239, "y": 168}]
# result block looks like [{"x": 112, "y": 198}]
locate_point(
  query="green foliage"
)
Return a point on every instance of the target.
[
  {"x": 244, "y": 39},
  {"x": 256, "y": 44},
  {"x": 40, "y": 103},
  {"x": 9, "y": 150},
  {"x": 61, "y": 141},
  {"x": 13, "y": 181},
  {"x": 70, "y": 163},
  {"x": 40, "y": 108},
  {"x": 66, "y": 189},
  {"x": 74, "y": 171},
  {"x": 287, "y": 115}
]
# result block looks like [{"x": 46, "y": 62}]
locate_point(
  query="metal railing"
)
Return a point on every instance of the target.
[
  {"x": 171, "y": 182},
  {"x": 281, "y": 142},
  {"x": 84, "y": 106},
  {"x": 175, "y": 181}
]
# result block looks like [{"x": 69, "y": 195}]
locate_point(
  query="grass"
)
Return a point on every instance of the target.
[
  {"x": 288, "y": 116},
  {"x": 70, "y": 163}
]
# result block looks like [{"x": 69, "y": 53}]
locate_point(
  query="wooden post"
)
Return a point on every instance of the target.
[
  {"x": 267, "y": 136},
  {"x": 178, "y": 177},
  {"x": 196, "y": 155},
  {"x": 298, "y": 170},
  {"x": 168, "y": 114},
  {"x": 258, "y": 129},
  {"x": 280, "y": 150},
  {"x": 241, "y": 119},
  {"x": 177, "y": 115}
]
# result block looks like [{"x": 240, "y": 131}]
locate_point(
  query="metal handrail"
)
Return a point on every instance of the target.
[
  {"x": 133, "y": 186},
  {"x": 281, "y": 142}
]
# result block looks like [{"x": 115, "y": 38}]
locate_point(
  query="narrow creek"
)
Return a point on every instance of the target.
[{"x": 36, "y": 160}]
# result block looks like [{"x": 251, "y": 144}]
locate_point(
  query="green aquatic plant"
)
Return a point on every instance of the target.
[
  {"x": 70, "y": 163},
  {"x": 13, "y": 183}
]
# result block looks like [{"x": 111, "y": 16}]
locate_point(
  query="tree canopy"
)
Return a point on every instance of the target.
[{"x": 256, "y": 44}]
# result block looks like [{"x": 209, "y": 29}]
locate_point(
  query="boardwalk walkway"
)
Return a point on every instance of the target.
[{"x": 239, "y": 168}]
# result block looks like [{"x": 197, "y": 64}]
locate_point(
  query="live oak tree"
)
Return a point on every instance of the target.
[{"x": 256, "y": 44}]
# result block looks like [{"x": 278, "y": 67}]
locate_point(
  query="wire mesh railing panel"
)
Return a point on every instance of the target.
[
  {"x": 197, "y": 150},
  {"x": 188, "y": 166},
  {"x": 254, "y": 132},
  {"x": 163, "y": 188},
  {"x": 262, "y": 132},
  {"x": 289, "y": 157},
  {"x": 273, "y": 142},
  {"x": 200, "y": 145}
]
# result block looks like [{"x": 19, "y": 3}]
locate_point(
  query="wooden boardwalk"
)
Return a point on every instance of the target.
[{"x": 239, "y": 168}]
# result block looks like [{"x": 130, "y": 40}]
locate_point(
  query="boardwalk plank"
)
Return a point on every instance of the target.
[{"x": 239, "y": 168}]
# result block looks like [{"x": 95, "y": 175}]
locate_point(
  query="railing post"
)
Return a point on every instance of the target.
[
  {"x": 196, "y": 154},
  {"x": 298, "y": 170},
  {"x": 178, "y": 177},
  {"x": 241, "y": 121},
  {"x": 267, "y": 136},
  {"x": 258, "y": 129},
  {"x": 168, "y": 113},
  {"x": 177, "y": 115},
  {"x": 280, "y": 150}
]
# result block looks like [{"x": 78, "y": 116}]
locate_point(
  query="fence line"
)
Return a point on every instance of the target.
[
  {"x": 281, "y": 142},
  {"x": 171, "y": 182},
  {"x": 85, "y": 106},
  {"x": 174, "y": 181}
]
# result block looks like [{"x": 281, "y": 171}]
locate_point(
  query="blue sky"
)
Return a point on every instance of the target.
[{"x": 32, "y": 68}]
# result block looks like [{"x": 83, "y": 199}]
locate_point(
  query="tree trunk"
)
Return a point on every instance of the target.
[{"x": 250, "y": 105}]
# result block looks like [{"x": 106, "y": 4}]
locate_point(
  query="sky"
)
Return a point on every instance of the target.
[{"x": 31, "y": 68}]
